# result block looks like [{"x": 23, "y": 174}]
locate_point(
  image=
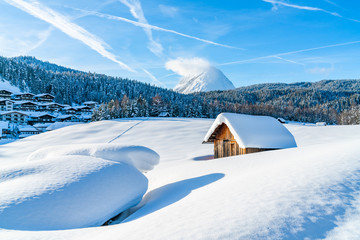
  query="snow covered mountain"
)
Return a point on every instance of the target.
[{"x": 211, "y": 79}]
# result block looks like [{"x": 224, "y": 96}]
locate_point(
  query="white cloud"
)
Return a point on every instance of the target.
[
  {"x": 168, "y": 11},
  {"x": 66, "y": 26},
  {"x": 188, "y": 66},
  {"x": 12, "y": 46},
  {"x": 152, "y": 27},
  {"x": 137, "y": 12},
  {"x": 320, "y": 70}
]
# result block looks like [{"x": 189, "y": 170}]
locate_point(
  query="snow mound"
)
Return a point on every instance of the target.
[
  {"x": 142, "y": 158},
  {"x": 254, "y": 131},
  {"x": 67, "y": 192},
  {"x": 211, "y": 79}
]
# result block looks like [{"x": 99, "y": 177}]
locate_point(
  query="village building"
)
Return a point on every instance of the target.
[
  {"x": 91, "y": 104},
  {"x": 25, "y": 106},
  {"x": 42, "y": 126},
  {"x": 236, "y": 134},
  {"x": 40, "y": 118},
  {"x": 53, "y": 107},
  {"x": 5, "y": 94},
  {"x": 6, "y": 105},
  {"x": 26, "y": 131},
  {"x": 44, "y": 97},
  {"x": 14, "y": 117},
  {"x": 164, "y": 114},
  {"x": 83, "y": 109},
  {"x": 23, "y": 96},
  {"x": 4, "y": 129},
  {"x": 67, "y": 118},
  {"x": 69, "y": 110}
]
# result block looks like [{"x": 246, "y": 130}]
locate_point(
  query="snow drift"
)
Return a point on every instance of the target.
[
  {"x": 142, "y": 158},
  {"x": 73, "y": 187}
]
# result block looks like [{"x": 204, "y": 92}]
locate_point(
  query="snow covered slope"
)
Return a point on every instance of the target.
[
  {"x": 210, "y": 79},
  {"x": 312, "y": 191},
  {"x": 5, "y": 85}
]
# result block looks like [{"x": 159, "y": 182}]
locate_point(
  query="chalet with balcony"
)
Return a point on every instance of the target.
[
  {"x": 25, "y": 105},
  {"x": 5, "y": 94},
  {"x": 22, "y": 96},
  {"x": 44, "y": 97},
  {"x": 91, "y": 104},
  {"x": 16, "y": 117},
  {"x": 6, "y": 105}
]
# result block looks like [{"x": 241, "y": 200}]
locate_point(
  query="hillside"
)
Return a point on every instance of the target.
[
  {"x": 71, "y": 86},
  {"x": 308, "y": 192},
  {"x": 331, "y": 101}
]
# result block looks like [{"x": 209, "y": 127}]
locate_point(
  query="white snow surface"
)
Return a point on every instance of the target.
[
  {"x": 308, "y": 192},
  {"x": 254, "y": 131},
  {"x": 211, "y": 79},
  {"x": 5, "y": 85},
  {"x": 141, "y": 158},
  {"x": 67, "y": 192}
]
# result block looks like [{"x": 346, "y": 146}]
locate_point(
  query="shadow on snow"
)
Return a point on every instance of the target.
[{"x": 169, "y": 194}]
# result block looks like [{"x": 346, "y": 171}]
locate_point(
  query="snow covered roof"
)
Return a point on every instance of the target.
[
  {"x": 23, "y": 102},
  {"x": 6, "y": 100},
  {"x": 19, "y": 94},
  {"x": 253, "y": 131},
  {"x": 9, "y": 112},
  {"x": 65, "y": 116},
  {"x": 43, "y": 94},
  {"x": 90, "y": 102},
  {"x": 42, "y": 125},
  {"x": 27, "y": 128}
]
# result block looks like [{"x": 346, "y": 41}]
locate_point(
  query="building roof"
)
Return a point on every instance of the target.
[
  {"x": 90, "y": 102},
  {"x": 24, "y": 102},
  {"x": 66, "y": 116},
  {"x": 19, "y": 94},
  {"x": 253, "y": 131},
  {"x": 6, "y": 100},
  {"x": 43, "y": 94},
  {"x": 27, "y": 128},
  {"x": 9, "y": 112}
]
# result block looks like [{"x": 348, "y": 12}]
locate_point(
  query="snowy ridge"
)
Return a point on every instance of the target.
[{"x": 211, "y": 79}]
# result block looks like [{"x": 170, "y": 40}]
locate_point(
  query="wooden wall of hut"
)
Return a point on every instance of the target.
[{"x": 225, "y": 144}]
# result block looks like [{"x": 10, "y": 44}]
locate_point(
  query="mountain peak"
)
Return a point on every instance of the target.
[{"x": 210, "y": 79}]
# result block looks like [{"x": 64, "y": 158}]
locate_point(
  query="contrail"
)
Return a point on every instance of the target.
[
  {"x": 138, "y": 13},
  {"x": 153, "y": 78},
  {"x": 290, "y": 61},
  {"x": 156, "y": 28},
  {"x": 66, "y": 26},
  {"x": 274, "y": 2},
  {"x": 288, "y": 53}
]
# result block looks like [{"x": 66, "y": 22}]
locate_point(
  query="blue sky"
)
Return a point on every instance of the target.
[{"x": 252, "y": 42}]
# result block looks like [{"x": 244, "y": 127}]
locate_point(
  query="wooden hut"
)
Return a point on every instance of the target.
[{"x": 236, "y": 134}]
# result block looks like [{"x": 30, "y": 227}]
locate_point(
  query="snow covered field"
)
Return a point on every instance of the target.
[{"x": 309, "y": 192}]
